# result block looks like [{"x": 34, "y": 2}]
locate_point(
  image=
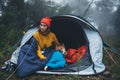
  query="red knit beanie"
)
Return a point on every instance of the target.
[{"x": 47, "y": 21}]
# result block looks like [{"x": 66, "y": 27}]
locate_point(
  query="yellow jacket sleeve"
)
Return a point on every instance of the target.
[
  {"x": 56, "y": 41},
  {"x": 40, "y": 55}
]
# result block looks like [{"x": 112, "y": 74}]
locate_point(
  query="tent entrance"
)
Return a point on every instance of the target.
[{"x": 69, "y": 32}]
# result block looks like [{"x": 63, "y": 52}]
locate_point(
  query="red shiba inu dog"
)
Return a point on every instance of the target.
[{"x": 62, "y": 49}]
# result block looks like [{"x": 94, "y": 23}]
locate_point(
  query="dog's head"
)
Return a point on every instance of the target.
[{"x": 62, "y": 49}]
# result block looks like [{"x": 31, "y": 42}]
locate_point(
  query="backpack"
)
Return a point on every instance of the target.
[{"x": 73, "y": 55}]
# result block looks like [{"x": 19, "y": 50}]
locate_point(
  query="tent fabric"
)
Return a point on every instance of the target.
[
  {"x": 25, "y": 38},
  {"x": 74, "y": 32}
]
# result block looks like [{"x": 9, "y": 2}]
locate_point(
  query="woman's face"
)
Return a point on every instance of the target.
[{"x": 43, "y": 27}]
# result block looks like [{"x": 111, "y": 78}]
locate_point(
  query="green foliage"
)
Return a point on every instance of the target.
[
  {"x": 116, "y": 69},
  {"x": 18, "y": 16},
  {"x": 14, "y": 35},
  {"x": 1, "y": 55},
  {"x": 10, "y": 38},
  {"x": 14, "y": 14},
  {"x": 112, "y": 41}
]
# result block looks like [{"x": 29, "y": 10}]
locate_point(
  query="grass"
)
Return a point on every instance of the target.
[{"x": 4, "y": 76}]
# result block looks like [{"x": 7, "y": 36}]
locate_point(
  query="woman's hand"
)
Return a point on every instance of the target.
[{"x": 44, "y": 58}]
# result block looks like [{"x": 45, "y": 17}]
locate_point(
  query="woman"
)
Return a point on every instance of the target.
[
  {"x": 44, "y": 37},
  {"x": 38, "y": 50}
]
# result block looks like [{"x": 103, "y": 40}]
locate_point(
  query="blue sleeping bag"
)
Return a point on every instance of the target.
[
  {"x": 28, "y": 61},
  {"x": 56, "y": 61}
]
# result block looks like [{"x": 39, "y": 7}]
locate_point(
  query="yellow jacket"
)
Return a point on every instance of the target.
[{"x": 44, "y": 41}]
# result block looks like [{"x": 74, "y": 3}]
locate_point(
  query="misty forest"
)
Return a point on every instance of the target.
[{"x": 17, "y": 16}]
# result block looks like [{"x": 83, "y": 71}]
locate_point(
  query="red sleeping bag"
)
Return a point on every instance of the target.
[{"x": 73, "y": 55}]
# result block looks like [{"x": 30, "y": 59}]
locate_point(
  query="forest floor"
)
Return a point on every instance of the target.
[{"x": 5, "y": 76}]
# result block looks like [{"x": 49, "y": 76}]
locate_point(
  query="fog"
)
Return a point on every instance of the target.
[{"x": 103, "y": 14}]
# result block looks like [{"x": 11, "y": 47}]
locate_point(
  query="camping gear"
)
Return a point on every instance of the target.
[
  {"x": 28, "y": 60},
  {"x": 56, "y": 61},
  {"x": 73, "y": 55},
  {"x": 74, "y": 32}
]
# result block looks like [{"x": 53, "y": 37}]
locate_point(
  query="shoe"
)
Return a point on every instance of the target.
[
  {"x": 4, "y": 67},
  {"x": 8, "y": 66},
  {"x": 45, "y": 68}
]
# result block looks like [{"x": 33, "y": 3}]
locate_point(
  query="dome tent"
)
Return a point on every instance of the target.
[{"x": 74, "y": 32}]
